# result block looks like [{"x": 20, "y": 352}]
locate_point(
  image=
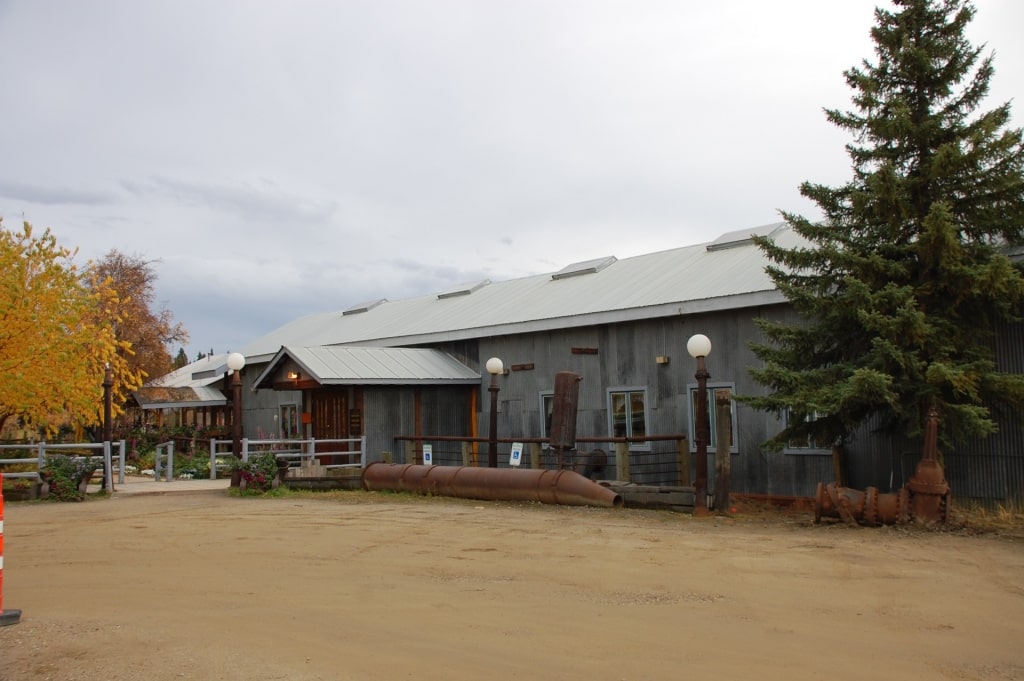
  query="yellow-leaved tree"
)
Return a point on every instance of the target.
[{"x": 56, "y": 336}]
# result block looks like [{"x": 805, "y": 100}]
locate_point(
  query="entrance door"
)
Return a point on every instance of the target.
[{"x": 329, "y": 412}]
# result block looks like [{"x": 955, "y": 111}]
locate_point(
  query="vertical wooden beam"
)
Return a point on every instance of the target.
[
  {"x": 683, "y": 450},
  {"x": 536, "y": 451},
  {"x": 622, "y": 461},
  {"x": 474, "y": 423},
  {"x": 417, "y": 428},
  {"x": 723, "y": 462},
  {"x": 839, "y": 465}
]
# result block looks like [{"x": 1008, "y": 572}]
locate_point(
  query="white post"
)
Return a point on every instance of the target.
[
  {"x": 121, "y": 463},
  {"x": 108, "y": 473},
  {"x": 213, "y": 458}
]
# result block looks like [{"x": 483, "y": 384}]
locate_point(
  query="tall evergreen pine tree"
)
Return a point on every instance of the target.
[{"x": 902, "y": 284}]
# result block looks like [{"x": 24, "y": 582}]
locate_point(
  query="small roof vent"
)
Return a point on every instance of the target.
[
  {"x": 743, "y": 237},
  {"x": 463, "y": 289},
  {"x": 585, "y": 267},
  {"x": 364, "y": 307}
]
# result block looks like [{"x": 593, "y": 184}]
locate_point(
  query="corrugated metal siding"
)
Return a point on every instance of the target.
[
  {"x": 989, "y": 470},
  {"x": 387, "y": 411},
  {"x": 625, "y": 358},
  {"x": 445, "y": 412}
]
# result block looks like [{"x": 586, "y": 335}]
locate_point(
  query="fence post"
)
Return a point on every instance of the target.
[
  {"x": 6, "y": 616},
  {"x": 467, "y": 454},
  {"x": 108, "y": 471},
  {"x": 245, "y": 449},
  {"x": 169, "y": 475},
  {"x": 410, "y": 451},
  {"x": 535, "y": 455},
  {"x": 362, "y": 452},
  {"x": 622, "y": 461},
  {"x": 121, "y": 463}
]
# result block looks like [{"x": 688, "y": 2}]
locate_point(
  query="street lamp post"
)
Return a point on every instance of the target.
[
  {"x": 699, "y": 347},
  {"x": 495, "y": 367},
  {"x": 108, "y": 426},
  {"x": 236, "y": 361}
]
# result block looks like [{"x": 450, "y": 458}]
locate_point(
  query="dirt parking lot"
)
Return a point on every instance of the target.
[{"x": 203, "y": 585}]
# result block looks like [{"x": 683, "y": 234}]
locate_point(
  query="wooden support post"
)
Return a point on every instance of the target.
[
  {"x": 467, "y": 453},
  {"x": 410, "y": 452},
  {"x": 622, "y": 461},
  {"x": 839, "y": 465},
  {"x": 683, "y": 450},
  {"x": 723, "y": 463},
  {"x": 536, "y": 451}
]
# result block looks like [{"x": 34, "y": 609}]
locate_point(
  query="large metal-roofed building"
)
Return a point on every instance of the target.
[{"x": 621, "y": 324}]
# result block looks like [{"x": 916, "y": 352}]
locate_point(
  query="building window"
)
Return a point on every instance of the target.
[
  {"x": 803, "y": 443},
  {"x": 547, "y": 404},
  {"x": 289, "y": 422},
  {"x": 627, "y": 414},
  {"x": 715, "y": 391}
]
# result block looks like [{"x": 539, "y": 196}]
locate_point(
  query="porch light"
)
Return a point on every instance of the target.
[{"x": 699, "y": 345}]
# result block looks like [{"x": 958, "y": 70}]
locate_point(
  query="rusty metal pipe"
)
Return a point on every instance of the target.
[
  {"x": 926, "y": 498},
  {"x": 869, "y": 507},
  {"x": 564, "y": 487}
]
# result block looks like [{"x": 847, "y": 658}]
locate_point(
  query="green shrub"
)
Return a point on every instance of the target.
[
  {"x": 258, "y": 472},
  {"x": 192, "y": 465},
  {"x": 146, "y": 460},
  {"x": 64, "y": 474}
]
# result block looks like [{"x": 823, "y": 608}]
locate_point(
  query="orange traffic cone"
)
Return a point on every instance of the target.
[{"x": 6, "y": 616}]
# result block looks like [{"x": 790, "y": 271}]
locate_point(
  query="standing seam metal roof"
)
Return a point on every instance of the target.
[
  {"x": 728, "y": 275},
  {"x": 348, "y": 365}
]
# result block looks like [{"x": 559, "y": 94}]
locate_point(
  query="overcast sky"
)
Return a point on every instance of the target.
[{"x": 282, "y": 158}]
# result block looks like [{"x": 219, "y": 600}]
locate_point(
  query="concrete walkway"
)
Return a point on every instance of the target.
[{"x": 145, "y": 485}]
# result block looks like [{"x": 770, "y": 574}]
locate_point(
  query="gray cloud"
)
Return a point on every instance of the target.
[
  {"x": 287, "y": 158},
  {"x": 49, "y": 195}
]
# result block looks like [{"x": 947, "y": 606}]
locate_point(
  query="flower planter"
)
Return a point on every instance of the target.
[
  {"x": 20, "y": 493},
  {"x": 83, "y": 482}
]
